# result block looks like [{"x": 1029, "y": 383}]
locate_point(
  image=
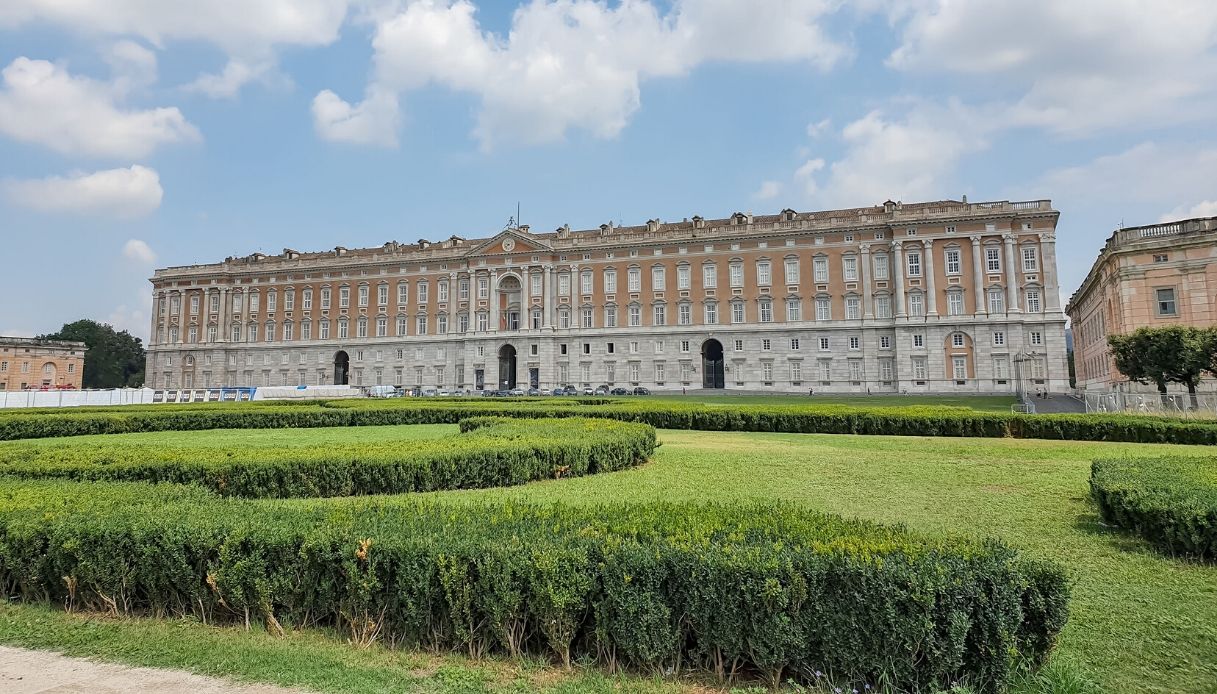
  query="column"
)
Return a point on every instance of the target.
[
  {"x": 867, "y": 309},
  {"x": 897, "y": 266},
  {"x": 931, "y": 286},
  {"x": 494, "y": 301},
  {"x": 526, "y": 297},
  {"x": 548, "y": 314},
  {"x": 1011, "y": 275},
  {"x": 978, "y": 278},
  {"x": 156, "y": 315},
  {"x": 1052, "y": 300},
  {"x": 181, "y": 313}
]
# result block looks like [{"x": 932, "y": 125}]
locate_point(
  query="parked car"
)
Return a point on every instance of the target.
[
  {"x": 588, "y": 390},
  {"x": 557, "y": 391},
  {"x": 501, "y": 393},
  {"x": 443, "y": 393},
  {"x": 601, "y": 390},
  {"x": 429, "y": 392},
  {"x": 619, "y": 391},
  {"x": 569, "y": 390},
  {"x": 516, "y": 392},
  {"x": 383, "y": 392},
  {"x": 641, "y": 391},
  {"x": 533, "y": 392}
]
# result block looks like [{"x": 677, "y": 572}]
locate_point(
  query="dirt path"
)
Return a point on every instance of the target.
[{"x": 35, "y": 672}]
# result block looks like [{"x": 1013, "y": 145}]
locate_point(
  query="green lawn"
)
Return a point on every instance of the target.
[{"x": 1140, "y": 622}]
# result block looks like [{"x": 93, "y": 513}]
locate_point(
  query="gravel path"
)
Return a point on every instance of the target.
[{"x": 34, "y": 672}]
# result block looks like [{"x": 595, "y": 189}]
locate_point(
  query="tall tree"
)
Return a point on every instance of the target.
[
  {"x": 1174, "y": 354},
  {"x": 115, "y": 359}
]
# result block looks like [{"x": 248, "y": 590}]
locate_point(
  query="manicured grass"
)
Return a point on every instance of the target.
[
  {"x": 1141, "y": 622},
  {"x": 251, "y": 438}
]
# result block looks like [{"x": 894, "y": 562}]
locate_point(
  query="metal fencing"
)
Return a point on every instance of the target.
[{"x": 1204, "y": 405}]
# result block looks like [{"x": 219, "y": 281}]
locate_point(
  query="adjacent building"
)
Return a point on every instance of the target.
[
  {"x": 27, "y": 362},
  {"x": 1146, "y": 276},
  {"x": 937, "y": 297}
]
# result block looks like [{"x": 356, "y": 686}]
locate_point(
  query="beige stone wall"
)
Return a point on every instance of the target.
[{"x": 27, "y": 363}]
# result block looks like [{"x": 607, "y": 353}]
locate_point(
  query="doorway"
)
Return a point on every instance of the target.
[
  {"x": 507, "y": 367},
  {"x": 712, "y": 364},
  {"x": 342, "y": 369}
]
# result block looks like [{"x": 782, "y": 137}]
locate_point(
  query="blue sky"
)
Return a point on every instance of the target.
[{"x": 137, "y": 134}]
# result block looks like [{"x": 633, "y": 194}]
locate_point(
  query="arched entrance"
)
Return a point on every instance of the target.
[
  {"x": 507, "y": 367},
  {"x": 510, "y": 307},
  {"x": 342, "y": 369},
  {"x": 712, "y": 364}
]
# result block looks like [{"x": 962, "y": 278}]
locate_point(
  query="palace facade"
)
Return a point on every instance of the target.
[
  {"x": 938, "y": 297},
  {"x": 28, "y": 362},
  {"x": 1146, "y": 276}
]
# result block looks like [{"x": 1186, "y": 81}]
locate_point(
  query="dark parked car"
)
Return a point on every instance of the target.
[
  {"x": 641, "y": 391},
  {"x": 534, "y": 391},
  {"x": 558, "y": 391},
  {"x": 619, "y": 391},
  {"x": 569, "y": 390},
  {"x": 502, "y": 393},
  {"x": 601, "y": 390}
]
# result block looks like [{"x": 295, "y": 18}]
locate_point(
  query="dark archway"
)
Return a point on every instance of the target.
[
  {"x": 507, "y": 367},
  {"x": 342, "y": 369},
  {"x": 712, "y": 364}
]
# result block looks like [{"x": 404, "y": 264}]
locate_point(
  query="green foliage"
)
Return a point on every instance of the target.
[
  {"x": 115, "y": 359},
  {"x": 766, "y": 587},
  {"x": 490, "y": 452},
  {"x": 1172, "y": 354},
  {"x": 1171, "y": 502},
  {"x": 827, "y": 419}
]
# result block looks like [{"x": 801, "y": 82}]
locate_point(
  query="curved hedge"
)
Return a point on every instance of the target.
[
  {"x": 828, "y": 419},
  {"x": 768, "y": 588},
  {"x": 490, "y": 452},
  {"x": 1171, "y": 502}
]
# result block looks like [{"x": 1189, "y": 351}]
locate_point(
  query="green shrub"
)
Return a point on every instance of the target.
[
  {"x": 1171, "y": 502},
  {"x": 768, "y": 588},
  {"x": 489, "y": 452}
]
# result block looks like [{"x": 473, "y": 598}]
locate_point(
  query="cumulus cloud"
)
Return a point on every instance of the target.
[
  {"x": 1205, "y": 208},
  {"x": 227, "y": 83},
  {"x": 43, "y": 103},
  {"x": 248, "y": 31},
  {"x": 139, "y": 251},
  {"x": 768, "y": 190},
  {"x": 133, "y": 65},
  {"x": 1145, "y": 174},
  {"x": 373, "y": 121},
  {"x": 115, "y": 193},
  {"x": 1077, "y": 66},
  {"x": 578, "y": 63}
]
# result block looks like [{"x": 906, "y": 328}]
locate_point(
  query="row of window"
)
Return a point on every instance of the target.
[
  {"x": 764, "y": 278},
  {"x": 48, "y": 369}
]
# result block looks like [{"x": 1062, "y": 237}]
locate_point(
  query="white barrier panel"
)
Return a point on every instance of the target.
[
  {"x": 75, "y": 398},
  {"x": 305, "y": 392}
]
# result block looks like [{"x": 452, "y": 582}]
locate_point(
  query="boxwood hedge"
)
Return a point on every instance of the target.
[
  {"x": 490, "y": 452},
  {"x": 833, "y": 419},
  {"x": 1172, "y": 502},
  {"x": 761, "y": 588}
]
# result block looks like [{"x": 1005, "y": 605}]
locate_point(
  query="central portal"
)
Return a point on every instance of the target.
[
  {"x": 712, "y": 364},
  {"x": 507, "y": 367},
  {"x": 342, "y": 369}
]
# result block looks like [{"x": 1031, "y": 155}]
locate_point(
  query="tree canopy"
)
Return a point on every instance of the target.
[
  {"x": 1173, "y": 354},
  {"x": 115, "y": 359}
]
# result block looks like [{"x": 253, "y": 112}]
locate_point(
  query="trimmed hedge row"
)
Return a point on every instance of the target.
[
  {"x": 830, "y": 419},
  {"x": 490, "y": 452},
  {"x": 770, "y": 589},
  {"x": 1171, "y": 502}
]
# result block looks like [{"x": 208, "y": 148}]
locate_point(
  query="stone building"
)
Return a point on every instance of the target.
[
  {"x": 27, "y": 362},
  {"x": 1147, "y": 276},
  {"x": 939, "y": 297}
]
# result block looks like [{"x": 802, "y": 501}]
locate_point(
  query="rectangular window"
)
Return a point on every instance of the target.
[
  {"x": 993, "y": 259},
  {"x": 344, "y": 297},
  {"x": 794, "y": 343},
  {"x": 709, "y": 276},
  {"x": 918, "y": 340},
  {"x": 792, "y": 270},
  {"x": 684, "y": 346},
  {"x": 959, "y": 368},
  {"x": 634, "y": 279},
  {"x": 823, "y": 308},
  {"x": 382, "y": 295},
  {"x": 483, "y": 288},
  {"x": 324, "y": 330},
  {"x": 683, "y": 277},
  {"x": 1166, "y": 301},
  {"x": 421, "y": 326},
  {"x": 536, "y": 284},
  {"x": 1001, "y": 368},
  {"x": 462, "y": 290},
  {"x": 823, "y": 344},
  {"x": 853, "y": 308},
  {"x": 1037, "y": 338},
  {"x": 914, "y": 263},
  {"x": 423, "y": 293},
  {"x": 737, "y": 275},
  {"x": 403, "y": 292},
  {"x": 564, "y": 318},
  {"x": 855, "y": 370},
  {"x": 767, "y": 371},
  {"x": 796, "y": 371},
  {"x": 957, "y": 340},
  {"x": 711, "y": 313},
  {"x": 657, "y": 279},
  {"x": 849, "y": 266},
  {"x": 306, "y": 330},
  {"x": 585, "y": 317},
  {"x": 997, "y": 301},
  {"x": 886, "y": 369},
  {"x": 855, "y": 343},
  {"x": 660, "y": 315},
  {"x": 194, "y": 304},
  {"x": 825, "y": 367},
  {"x": 610, "y": 281},
  {"x": 953, "y": 261},
  {"x": 763, "y": 274},
  {"x": 885, "y": 342},
  {"x": 737, "y": 312},
  {"x": 794, "y": 310},
  {"x": 635, "y": 316},
  {"x": 685, "y": 314},
  {"x": 442, "y": 291},
  {"x": 1161, "y": 257},
  {"x": 739, "y": 345},
  {"x": 919, "y": 368},
  {"x": 883, "y": 306},
  {"x": 610, "y": 317},
  {"x": 999, "y": 338},
  {"x": 766, "y": 311},
  {"x": 1033, "y": 301},
  {"x": 819, "y": 268},
  {"x": 881, "y": 267},
  {"x": 1030, "y": 259},
  {"x": 363, "y": 295},
  {"x": 916, "y": 305},
  {"x": 955, "y": 303},
  {"x": 585, "y": 283}
]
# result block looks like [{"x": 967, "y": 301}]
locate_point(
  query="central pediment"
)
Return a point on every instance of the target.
[{"x": 510, "y": 241}]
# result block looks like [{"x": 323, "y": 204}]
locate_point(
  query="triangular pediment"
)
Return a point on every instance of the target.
[{"x": 510, "y": 241}]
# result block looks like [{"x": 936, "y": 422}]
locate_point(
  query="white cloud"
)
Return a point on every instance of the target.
[
  {"x": 139, "y": 251},
  {"x": 1146, "y": 174},
  {"x": 42, "y": 103},
  {"x": 248, "y": 31},
  {"x": 768, "y": 190},
  {"x": 1206, "y": 208},
  {"x": 373, "y": 121},
  {"x": 578, "y": 63},
  {"x": 818, "y": 128},
  {"x": 116, "y": 193},
  {"x": 804, "y": 176},
  {"x": 227, "y": 83},
  {"x": 1077, "y": 66},
  {"x": 133, "y": 65}
]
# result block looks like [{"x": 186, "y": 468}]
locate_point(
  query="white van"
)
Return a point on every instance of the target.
[{"x": 382, "y": 392}]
